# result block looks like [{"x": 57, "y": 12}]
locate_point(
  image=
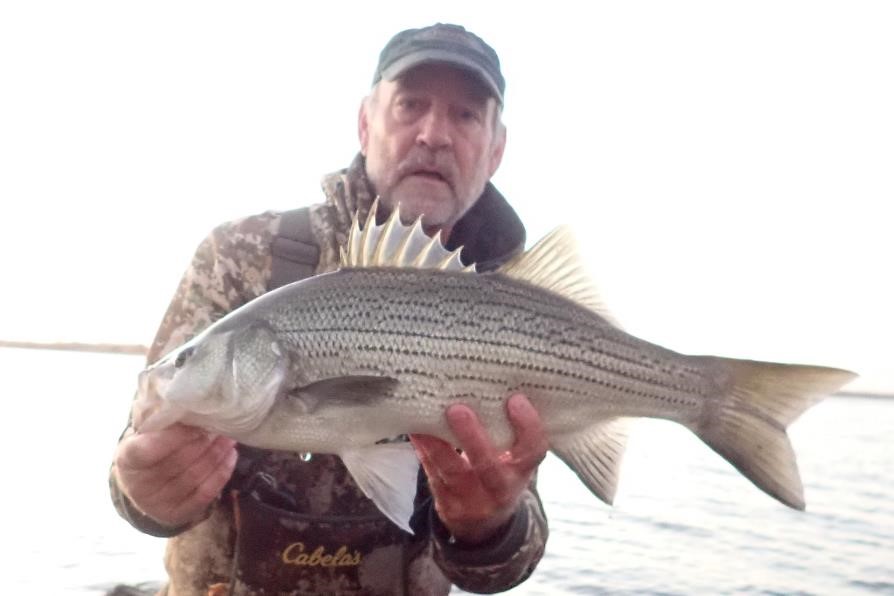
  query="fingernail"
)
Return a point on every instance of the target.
[
  {"x": 419, "y": 446},
  {"x": 196, "y": 433},
  {"x": 232, "y": 457},
  {"x": 518, "y": 404},
  {"x": 459, "y": 413}
]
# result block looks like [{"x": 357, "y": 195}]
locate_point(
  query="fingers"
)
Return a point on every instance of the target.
[
  {"x": 442, "y": 464},
  {"x": 477, "y": 492},
  {"x": 432, "y": 449},
  {"x": 531, "y": 443},
  {"x": 188, "y": 474},
  {"x": 470, "y": 433},
  {"x": 148, "y": 449},
  {"x": 175, "y": 474},
  {"x": 483, "y": 457},
  {"x": 449, "y": 475},
  {"x": 187, "y": 496}
]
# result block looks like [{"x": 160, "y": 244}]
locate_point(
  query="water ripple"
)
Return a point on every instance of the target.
[{"x": 685, "y": 522}]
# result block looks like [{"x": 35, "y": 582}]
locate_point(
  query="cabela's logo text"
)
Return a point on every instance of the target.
[{"x": 296, "y": 554}]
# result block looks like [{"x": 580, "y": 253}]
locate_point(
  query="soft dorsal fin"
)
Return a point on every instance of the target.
[
  {"x": 554, "y": 264},
  {"x": 393, "y": 244}
]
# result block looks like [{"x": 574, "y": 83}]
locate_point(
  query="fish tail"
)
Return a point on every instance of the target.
[{"x": 747, "y": 425}]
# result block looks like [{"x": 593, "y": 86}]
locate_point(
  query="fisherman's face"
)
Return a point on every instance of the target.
[{"x": 432, "y": 139}]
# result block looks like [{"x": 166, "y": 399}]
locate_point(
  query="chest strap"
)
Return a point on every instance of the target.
[{"x": 295, "y": 253}]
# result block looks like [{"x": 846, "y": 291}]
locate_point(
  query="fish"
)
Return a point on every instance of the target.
[{"x": 343, "y": 362}]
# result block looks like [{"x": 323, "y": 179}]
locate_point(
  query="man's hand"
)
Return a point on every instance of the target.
[
  {"x": 173, "y": 475},
  {"x": 476, "y": 492}
]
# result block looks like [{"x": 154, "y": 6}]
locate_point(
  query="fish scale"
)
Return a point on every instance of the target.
[
  {"x": 338, "y": 362},
  {"x": 445, "y": 339}
]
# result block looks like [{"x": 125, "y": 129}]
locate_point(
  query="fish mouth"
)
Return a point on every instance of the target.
[
  {"x": 145, "y": 403},
  {"x": 157, "y": 416},
  {"x": 150, "y": 411}
]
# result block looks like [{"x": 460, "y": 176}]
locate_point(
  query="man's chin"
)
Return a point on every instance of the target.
[
  {"x": 433, "y": 189},
  {"x": 435, "y": 208}
]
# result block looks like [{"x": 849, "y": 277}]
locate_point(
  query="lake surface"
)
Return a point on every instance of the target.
[{"x": 684, "y": 522}]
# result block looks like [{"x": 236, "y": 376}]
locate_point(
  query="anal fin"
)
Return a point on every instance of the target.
[{"x": 595, "y": 455}]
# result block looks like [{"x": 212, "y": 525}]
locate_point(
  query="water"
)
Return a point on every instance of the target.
[{"x": 684, "y": 522}]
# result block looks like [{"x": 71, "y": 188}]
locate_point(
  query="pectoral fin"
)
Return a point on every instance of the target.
[
  {"x": 359, "y": 389},
  {"x": 387, "y": 473}
]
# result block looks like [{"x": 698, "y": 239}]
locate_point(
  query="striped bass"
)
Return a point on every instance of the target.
[{"x": 339, "y": 362}]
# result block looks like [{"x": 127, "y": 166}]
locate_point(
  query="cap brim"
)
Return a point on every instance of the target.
[{"x": 405, "y": 63}]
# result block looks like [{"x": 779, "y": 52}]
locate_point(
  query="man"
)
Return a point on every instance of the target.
[{"x": 250, "y": 521}]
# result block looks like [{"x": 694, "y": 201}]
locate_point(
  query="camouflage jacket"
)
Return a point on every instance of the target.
[{"x": 304, "y": 527}]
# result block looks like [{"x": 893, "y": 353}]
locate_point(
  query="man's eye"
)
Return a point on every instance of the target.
[
  {"x": 408, "y": 104},
  {"x": 467, "y": 115}
]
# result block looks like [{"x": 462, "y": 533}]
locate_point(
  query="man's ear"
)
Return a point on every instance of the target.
[
  {"x": 363, "y": 125},
  {"x": 497, "y": 148}
]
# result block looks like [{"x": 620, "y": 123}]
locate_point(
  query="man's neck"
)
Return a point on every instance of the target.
[{"x": 444, "y": 230}]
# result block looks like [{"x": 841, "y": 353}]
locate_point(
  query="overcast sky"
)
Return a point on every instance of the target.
[{"x": 728, "y": 167}]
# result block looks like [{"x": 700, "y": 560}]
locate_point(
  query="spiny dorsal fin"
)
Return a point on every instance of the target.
[
  {"x": 393, "y": 244},
  {"x": 554, "y": 264}
]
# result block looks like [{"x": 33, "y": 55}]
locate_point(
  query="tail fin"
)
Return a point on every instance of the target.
[{"x": 748, "y": 424}]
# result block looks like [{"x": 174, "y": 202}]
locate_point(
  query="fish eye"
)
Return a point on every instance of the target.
[{"x": 182, "y": 356}]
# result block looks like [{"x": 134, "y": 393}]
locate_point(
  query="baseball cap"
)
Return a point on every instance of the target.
[{"x": 444, "y": 43}]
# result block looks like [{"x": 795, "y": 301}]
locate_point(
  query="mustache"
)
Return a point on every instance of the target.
[{"x": 422, "y": 160}]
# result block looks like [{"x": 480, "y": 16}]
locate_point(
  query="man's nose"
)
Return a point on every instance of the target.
[{"x": 434, "y": 130}]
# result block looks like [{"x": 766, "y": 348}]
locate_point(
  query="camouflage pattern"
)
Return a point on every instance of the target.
[{"x": 230, "y": 268}]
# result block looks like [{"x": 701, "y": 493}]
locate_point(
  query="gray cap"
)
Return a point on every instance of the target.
[{"x": 450, "y": 44}]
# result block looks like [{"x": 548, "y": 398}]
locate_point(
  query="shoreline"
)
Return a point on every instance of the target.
[{"x": 129, "y": 349}]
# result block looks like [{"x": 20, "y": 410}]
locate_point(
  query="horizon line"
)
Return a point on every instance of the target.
[
  {"x": 141, "y": 350},
  {"x": 72, "y": 346}
]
